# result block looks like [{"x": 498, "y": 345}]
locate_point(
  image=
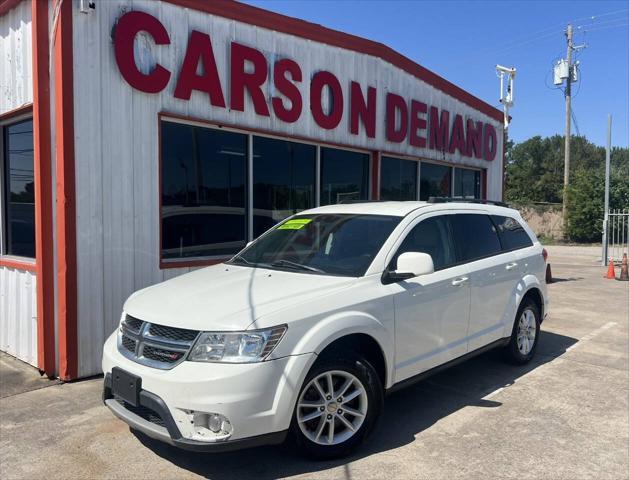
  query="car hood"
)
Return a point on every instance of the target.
[{"x": 227, "y": 297}]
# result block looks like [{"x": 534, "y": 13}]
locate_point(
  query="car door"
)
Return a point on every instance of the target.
[
  {"x": 515, "y": 239},
  {"x": 431, "y": 311},
  {"x": 492, "y": 274}
]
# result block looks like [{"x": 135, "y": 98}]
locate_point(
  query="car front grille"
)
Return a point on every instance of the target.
[
  {"x": 157, "y": 346},
  {"x": 143, "y": 412}
]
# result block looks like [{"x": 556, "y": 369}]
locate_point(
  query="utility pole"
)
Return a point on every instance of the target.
[
  {"x": 566, "y": 170},
  {"x": 607, "y": 167}
]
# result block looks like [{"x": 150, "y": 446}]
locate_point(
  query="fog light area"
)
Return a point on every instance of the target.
[{"x": 211, "y": 427}]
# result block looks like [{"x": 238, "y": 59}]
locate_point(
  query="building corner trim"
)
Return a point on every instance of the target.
[
  {"x": 66, "y": 195},
  {"x": 46, "y": 354}
]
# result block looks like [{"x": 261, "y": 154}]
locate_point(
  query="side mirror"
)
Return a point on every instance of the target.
[{"x": 411, "y": 264}]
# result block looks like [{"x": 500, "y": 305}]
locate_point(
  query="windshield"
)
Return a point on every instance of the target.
[{"x": 333, "y": 244}]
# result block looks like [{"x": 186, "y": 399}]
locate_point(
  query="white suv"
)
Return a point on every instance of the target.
[{"x": 305, "y": 330}]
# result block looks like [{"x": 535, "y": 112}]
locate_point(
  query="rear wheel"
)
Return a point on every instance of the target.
[
  {"x": 337, "y": 407},
  {"x": 525, "y": 334}
]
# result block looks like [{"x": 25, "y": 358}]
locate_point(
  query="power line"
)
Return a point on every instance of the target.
[
  {"x": 608, "y": 27},
  {"x": 600, "y": 24},
  {"x": 556, "y": 29},
  {"x": 593, "y": 17}
]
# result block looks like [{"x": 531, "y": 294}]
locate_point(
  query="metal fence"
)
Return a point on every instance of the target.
[{"x": 617, "y": 235}]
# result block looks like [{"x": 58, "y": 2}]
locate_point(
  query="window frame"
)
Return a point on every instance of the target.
[
  {"x": 7, "y": 120},
  {"x": 166, "y": 263}
]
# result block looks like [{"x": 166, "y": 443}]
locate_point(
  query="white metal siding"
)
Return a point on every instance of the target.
[
  {"x": 18, "y": 314},
  {"x": 18, "y": 298},
  {"x": 117, "y": 142},
  {"x": 16, "y": 67}
]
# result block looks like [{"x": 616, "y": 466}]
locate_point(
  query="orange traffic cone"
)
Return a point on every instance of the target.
[
  {"x": 624, "y": 270},
  {"x": 611, "y": 273}
]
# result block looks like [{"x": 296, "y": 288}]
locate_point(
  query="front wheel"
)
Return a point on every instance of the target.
[
  {"x": 525, "y": 334},
  {"x": 337, "y": 407}
]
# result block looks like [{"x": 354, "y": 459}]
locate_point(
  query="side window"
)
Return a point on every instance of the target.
[
  {"x": 475, "y": 236},
  {"x": 512, "y": 235},
  {"x": 430, "y": 236}
]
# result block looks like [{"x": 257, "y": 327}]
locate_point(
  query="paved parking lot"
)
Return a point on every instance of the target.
[{"x": 566, "y": 415}]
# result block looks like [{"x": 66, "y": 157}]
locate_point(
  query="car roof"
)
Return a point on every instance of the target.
[{"x": 401, "y": 209}]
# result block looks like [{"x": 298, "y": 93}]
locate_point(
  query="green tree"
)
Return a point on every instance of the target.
[
  {"x": 535, "y": 174},
  {"x": 586, "y": 197}
]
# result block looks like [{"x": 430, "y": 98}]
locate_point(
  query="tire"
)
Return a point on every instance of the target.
[
  {"x": 349, "y": 368},
  {"x": 519, "y": 350}
]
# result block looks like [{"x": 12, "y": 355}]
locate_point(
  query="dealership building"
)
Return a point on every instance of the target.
[{"x": 140, "y": 139}]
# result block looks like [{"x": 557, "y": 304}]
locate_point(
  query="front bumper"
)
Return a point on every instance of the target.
[
  {"x": 166, "y": 430},
  {"x": 257, "y": 398}
]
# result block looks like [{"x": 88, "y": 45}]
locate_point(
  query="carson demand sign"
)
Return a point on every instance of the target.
[{"x": 404, "y": 120}]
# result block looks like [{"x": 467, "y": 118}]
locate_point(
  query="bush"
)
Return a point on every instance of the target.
[{"x": 586, "y": 197}]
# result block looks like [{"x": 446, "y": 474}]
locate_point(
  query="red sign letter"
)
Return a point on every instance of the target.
[
  {"x": 288, "y": 89},
  {"x": 439, "y": 129},
  {"x": 200, "y": 48},
  {"x": 457, "y": 141},
  {"x": 127, "y": 28},
  {"x": 394, "y": 103},
  {"x": 241, "y": 80},
  {"x": 417, "y": 123},
  {"x": 474, "y": 137},
  {"x": 490, "y": 144},
  {"x": 358, "y": 109},
  {"x": 320, "y": 80}
]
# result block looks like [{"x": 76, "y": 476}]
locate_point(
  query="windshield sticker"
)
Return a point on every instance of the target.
[{"x": 295, "y": 224}]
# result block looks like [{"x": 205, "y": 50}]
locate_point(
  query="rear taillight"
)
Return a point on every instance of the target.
[{"x": 545, "y": 254}]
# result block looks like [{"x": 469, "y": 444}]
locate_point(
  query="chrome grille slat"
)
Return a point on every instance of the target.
[{"x": 154, "y": 345}]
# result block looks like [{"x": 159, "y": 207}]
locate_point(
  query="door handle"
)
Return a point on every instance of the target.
[
  {"x": 457, "y": 282},
  {"x": 511, "y": 266}
]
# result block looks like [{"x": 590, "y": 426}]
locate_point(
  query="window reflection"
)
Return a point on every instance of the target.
[
  {"x": 398, "y": 179},
  {"x": 283, "y": 180},
  {"x": 466, "y": 183},
  {"x": 19, "y": 177},
  {"x": 344, "y": 176},
  {"x": 435, "y": 181},
  {"x": 203, "y": 191}
]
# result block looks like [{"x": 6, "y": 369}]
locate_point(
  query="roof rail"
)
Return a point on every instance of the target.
[
  {"x": 353, "y": 200},
  {"x": 466, "y": 200}
]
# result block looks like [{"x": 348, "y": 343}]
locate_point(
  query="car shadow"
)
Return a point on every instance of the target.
[{"x": 407, "y": 413}]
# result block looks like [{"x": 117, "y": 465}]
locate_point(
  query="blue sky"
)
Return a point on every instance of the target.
[{"x": 463, "y": 40}]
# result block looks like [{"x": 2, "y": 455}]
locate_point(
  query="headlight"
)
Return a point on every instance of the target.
[{"x": 236, "y": 347}]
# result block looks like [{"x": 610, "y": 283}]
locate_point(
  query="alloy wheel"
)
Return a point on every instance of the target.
[
  {"x": 527, "y": 329},
  {"x": 332, "y": 407}
]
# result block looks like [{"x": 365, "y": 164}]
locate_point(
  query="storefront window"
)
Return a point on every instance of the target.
[
  {"x": 283, "y": 180},
  {"x": 203, "y": 191},
  {"x": 19, "y": 211},
  {"x": 435, "y": 181},
  {"x": 398, "y": 179},
  {"x": 466, "y": 183},
  {"x": 344, "y": 176}
]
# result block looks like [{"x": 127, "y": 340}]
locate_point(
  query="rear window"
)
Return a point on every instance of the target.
[
  {"x": 475, "y": 236},
  {"x": 512, "y": 234}
]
